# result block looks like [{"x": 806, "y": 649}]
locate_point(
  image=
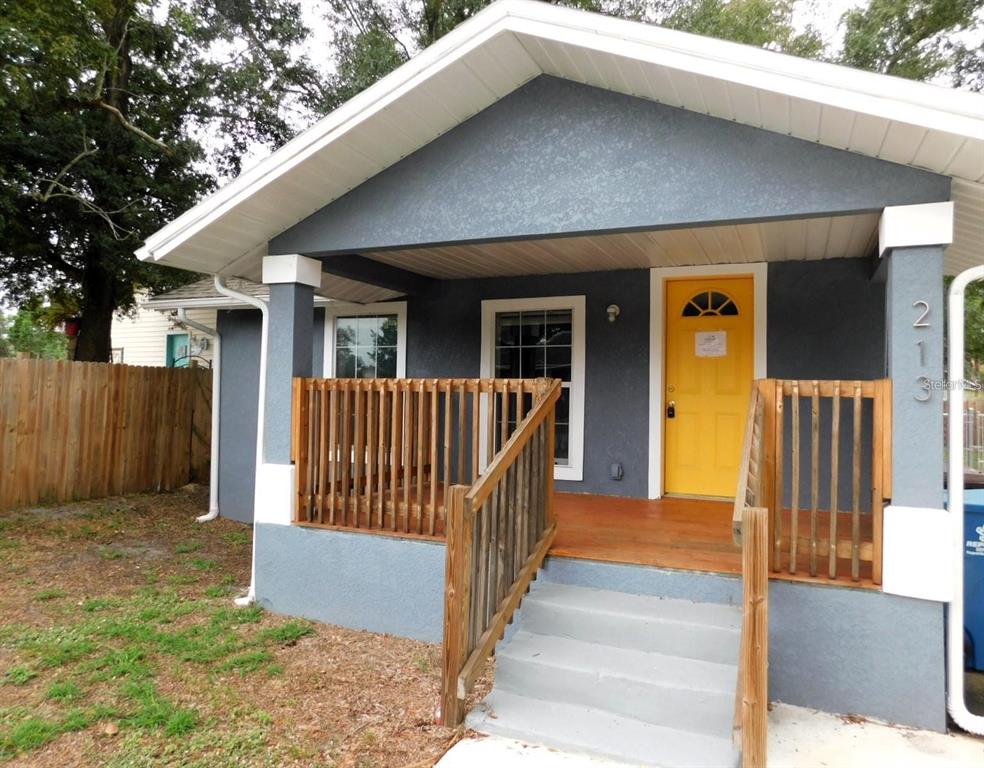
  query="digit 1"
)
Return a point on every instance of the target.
[{"x": 922, "y": 353}]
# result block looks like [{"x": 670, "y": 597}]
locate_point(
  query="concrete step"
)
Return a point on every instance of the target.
[
  {"x": 688, "y": 694},
  {"x": 705, "y": 631},
  {"x": 599, "y": 732}
]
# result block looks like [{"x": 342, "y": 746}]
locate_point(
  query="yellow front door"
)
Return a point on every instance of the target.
[{"x": 709, "y": 365}]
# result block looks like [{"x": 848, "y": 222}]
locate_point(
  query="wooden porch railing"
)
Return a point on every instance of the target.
[
  {"x": 774, "y": 535},
  {"x": 382, "y": 454},
  {"x": 499, "y": 531}
]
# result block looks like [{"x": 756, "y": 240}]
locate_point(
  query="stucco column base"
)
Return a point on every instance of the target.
[{"x": 276, "y": 491}]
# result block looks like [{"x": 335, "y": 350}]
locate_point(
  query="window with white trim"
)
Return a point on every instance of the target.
[
  {"x": 530, "y": 338},
  {"x": 365, "y": 342}
]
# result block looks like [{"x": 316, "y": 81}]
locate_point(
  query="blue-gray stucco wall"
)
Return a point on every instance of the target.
[
  {"x": 444, "y": 339},
  {"x": 557, "y": 157},
  {"x": 826, "y": 320},
  {"x": 238, "y": 395},
  {"x": 832, "y": 648},
  {"x": 356, "y": 580}
]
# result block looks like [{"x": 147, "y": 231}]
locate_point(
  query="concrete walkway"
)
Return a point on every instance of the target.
[{"x": 798, "y": 738}]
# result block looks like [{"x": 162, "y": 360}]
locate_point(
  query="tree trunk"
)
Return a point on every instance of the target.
[{"x": 96, "y": 320}]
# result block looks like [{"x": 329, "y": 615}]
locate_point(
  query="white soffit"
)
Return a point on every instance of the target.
[
  {"x": 512, "y": 41},
  {"x": 819, "y": 238}
]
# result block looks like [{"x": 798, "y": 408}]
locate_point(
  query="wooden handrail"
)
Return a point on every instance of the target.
[
  {"x": 499, "y": 531},
  {"x": 493, "y": 473}
]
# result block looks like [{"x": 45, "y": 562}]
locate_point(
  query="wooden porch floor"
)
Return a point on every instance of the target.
[{"x": 687, "y": 534}]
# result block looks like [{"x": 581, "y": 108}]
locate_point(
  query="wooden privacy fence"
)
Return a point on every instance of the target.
[
  {"x": 382, "y": 454},
  {"x": 499, "y": 531},
  {"x": 83, "y": 430}
]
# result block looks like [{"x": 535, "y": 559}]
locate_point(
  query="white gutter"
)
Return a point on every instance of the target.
[
  {"x": 250, "y": 597},
  {"x": 956, "y": 703},
  {"x": 213, "y": 480}
]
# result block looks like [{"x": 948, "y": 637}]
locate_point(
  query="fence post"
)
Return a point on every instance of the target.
[{"x": 457, "y": 600}]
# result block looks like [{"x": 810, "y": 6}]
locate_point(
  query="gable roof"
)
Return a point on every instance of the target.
[{"x": 512, "y": 41}]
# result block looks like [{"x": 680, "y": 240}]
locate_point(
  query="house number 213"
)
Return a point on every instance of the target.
[{"x": 922, "y": 382}]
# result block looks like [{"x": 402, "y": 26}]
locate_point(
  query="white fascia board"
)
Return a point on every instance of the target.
[
  {"x": 213, "y": 302},
  {"x": 905, "y": 226},
  {"x": 292, "y": 268}
]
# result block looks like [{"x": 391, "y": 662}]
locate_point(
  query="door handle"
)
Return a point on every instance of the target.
[{"x": 671, "y": 409}]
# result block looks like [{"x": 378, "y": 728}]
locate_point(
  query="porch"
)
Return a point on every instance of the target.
[{"x": 411, "y": 441}]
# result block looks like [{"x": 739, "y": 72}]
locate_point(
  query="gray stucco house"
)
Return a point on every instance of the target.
[{"x": 657, "y": 220}]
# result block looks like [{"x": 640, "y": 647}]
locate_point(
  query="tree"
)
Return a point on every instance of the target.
[
  {"x": 107, "y": 110},
  {"x": 917, "y": 39},
  {"x": 29, "y": 334}
]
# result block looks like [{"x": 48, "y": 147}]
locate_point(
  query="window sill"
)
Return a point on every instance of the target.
[{"x": 572, "y": 474}]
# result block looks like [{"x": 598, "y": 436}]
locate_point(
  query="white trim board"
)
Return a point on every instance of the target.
[
  {"x": 338, "y": 309},
  {"x": 574, "y": 471},
  {"x": 658, "y": 276}
]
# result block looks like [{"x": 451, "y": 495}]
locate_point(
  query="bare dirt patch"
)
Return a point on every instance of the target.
[{"x": 120, "y": 646}]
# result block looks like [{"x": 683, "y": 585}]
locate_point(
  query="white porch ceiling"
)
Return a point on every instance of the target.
[
  {"x": 819, "y": 238},
  {"x": 513, "y": 41}
]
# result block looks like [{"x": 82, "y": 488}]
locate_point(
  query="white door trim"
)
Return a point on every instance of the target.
[{"x": 657, "y": 291}]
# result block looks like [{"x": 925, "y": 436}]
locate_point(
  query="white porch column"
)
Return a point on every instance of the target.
[
  {"x": 292, "y": 279},
  {"x": 912, "y": 239}
]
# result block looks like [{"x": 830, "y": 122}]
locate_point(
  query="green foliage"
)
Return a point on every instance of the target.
[
  {"x": 105, "y": 106},
  {"x": 27, "y": 333},
  {"x": 762, "y": 23},
  {"x": 287, "y": 633},
  {"x": 52, "y": 593},
  {"x": 914, "y": 38}
]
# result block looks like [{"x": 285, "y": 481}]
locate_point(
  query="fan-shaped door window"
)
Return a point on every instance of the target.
[{"x": 710, "y": 303}]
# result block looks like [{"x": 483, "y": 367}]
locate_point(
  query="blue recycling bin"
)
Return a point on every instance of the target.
[{"x": 974, "y": 576}]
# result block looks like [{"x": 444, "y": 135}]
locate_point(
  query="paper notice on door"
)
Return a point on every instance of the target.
[{"x": 711, "y": 343}]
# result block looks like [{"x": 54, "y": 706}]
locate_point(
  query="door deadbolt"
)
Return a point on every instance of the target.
[{"x": 671, "y": 409}]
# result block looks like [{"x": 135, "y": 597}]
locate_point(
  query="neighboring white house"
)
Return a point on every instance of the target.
[{"x": 153, "y": 337}]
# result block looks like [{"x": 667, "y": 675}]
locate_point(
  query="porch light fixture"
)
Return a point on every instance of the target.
[{"x": 613, "y": 312}]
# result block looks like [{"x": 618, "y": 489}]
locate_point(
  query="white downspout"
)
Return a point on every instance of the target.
[
  {"x": 213, "y": 480},
  {"x": 250, "y": 597},
  {"x": 955, "y": 617}
]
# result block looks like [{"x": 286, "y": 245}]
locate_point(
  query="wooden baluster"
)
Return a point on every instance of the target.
[
  {"x": 490, "y": 422},
  {"x": 406, "y": 448},
  {"x": 835, "y": 417},
  {"x": 794, "y": 508},
  {"x": 421, "y": 453},
  {"x": 333, "y": 440},
  {"x": 460, "y": 471},
  {"x": 324, "y": 463},
  {"x": 476, "y": 435},
  {"x": 492, "y": 585},
  {"x": 448, "y": 418},
  {"x": 780, "y": 488},
  {"x": 814, "y": 473},
  {"x": 502, "y": 541},
  {"x": 480, "y": 591},
  {"x": 431, "y": 522},
  {"x": 372, "y": 440},
  {"x": 396, "y": 450},
  {"x": 519, "y": 403},
  {"x": 359, "y": 453},
  {"x": 346, "y": 457},
  {"x": 522, "y": 541},
  {"x": 856, "y": 488},
  {"x": 504, "y": 426},
  {"x": 382, "y": 442}
]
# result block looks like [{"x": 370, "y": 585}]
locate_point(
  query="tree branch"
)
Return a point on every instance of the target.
[{"x": 130, "y": 126}]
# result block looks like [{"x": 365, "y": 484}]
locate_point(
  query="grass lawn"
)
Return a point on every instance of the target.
[{"x": 120, "y": 646}]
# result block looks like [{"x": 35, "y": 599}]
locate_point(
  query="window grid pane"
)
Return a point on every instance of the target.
[
  {"x": 365, "y": 346},
  {"x": 535, "y": 343}
]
